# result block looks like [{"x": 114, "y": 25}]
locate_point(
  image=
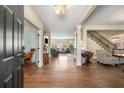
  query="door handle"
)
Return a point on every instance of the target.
[{"x": 19, "y": 54}]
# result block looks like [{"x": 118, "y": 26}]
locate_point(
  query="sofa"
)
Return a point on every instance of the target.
[{"x": 106, "y": 57}]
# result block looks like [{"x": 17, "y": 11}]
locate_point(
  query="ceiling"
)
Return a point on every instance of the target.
[
  {"x": 60, "y": 26},
  {"x": 107, "y": 15}
]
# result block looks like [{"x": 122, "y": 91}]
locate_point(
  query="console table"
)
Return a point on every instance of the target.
[{"x": 46, "y": 58}]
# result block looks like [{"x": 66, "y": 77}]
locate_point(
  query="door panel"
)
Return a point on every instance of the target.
[
  {"x": 19, "y": 76},
  {"x": 8, "y": 33},
  {"x": 15, "y": 36},
  {"x": 8, "y": 82},
  {"x": 11, "y": 60},
  {"x": 15, "y": 78},
  {"x": 1, "y": 32},
  {"x": 1, "y": 43},
  {"x": 20, "y": 35}
]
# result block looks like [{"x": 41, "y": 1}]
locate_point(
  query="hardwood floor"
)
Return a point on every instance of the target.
[{"x": 61, "y": 72}]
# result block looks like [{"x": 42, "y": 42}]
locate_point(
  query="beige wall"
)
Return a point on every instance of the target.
[
  {"x": 31, "y": 15},
  {"x": 121, "y": 37},
  {"x": 109, "y": 34}
]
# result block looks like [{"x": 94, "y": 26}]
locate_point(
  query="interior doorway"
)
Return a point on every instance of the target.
[{"x": 31, "y": 43}]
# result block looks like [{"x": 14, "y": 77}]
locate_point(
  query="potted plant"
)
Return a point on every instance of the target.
[
  {"x": 71, "y": 46},
  {"x": 54, "y": 52}
]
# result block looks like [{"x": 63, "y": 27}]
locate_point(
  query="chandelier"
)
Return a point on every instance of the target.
[{"x": 60, "y": 9}]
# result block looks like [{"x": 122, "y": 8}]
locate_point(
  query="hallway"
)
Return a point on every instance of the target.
[{"x": 61, "y": 72}]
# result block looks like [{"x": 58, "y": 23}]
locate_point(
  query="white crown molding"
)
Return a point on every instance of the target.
[
  {"x": 89, "y": 10},
  {"x": 103, "y": 27}
]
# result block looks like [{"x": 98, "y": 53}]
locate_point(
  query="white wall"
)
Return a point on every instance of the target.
[
  {"x": 93, "y": 46},
  {"x": 31, "y": 15}
]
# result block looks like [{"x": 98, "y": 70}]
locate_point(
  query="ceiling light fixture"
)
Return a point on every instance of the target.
[{"x": 60, "y": 9}]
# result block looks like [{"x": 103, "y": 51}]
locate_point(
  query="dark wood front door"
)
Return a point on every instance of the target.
[{"x": 11, "y": 42}]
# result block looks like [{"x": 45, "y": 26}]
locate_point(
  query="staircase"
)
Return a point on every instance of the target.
[{"x": 102, "y": 41}]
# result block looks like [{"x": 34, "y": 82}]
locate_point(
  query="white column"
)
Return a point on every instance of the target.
[
  {"x": 84, "y": 39},
  {"x": 78, "y": 48},
  {"x": 75, "y": 43},
  {"x": 50, "y": 45},
  {"x": 40, "y": 49}
]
